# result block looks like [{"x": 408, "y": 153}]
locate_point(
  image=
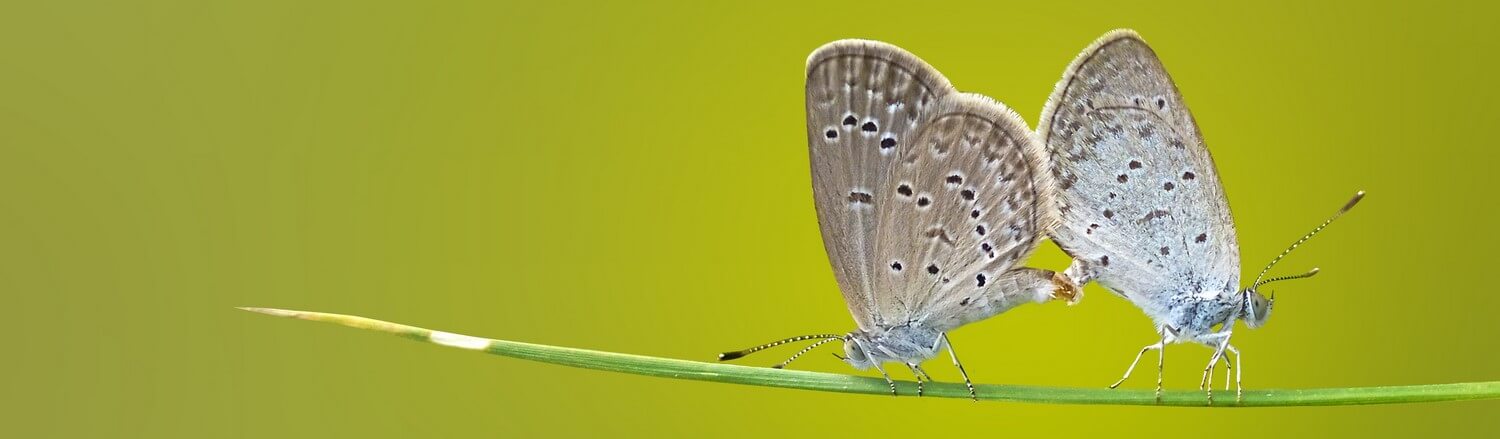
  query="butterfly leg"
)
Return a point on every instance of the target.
[
  {"x": 1227, "y": 372},
  {"x": 1209, "y": 378},
  {"x": 1208, "y": 371},
  {"x": 1239, "y": 392},
  {"x": 888, "y": 379},
  {"x": 917, "y": 372},
  {"x": 1161, "y": 364},
  {"x": 924, "y": 373},
  {"x": 1131, "y": 369},
  {"x": 972, "y": 395}
]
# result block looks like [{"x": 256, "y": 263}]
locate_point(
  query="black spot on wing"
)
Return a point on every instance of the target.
[{"x": 1158, "y": 213}]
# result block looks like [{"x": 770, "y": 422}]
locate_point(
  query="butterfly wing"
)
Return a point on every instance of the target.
[
  {"x": 925, "y": 196},
  {"x": 1139, "y": 202},
  {"x": 959, "y": 211},
  {"x": 863, "y": 99}
]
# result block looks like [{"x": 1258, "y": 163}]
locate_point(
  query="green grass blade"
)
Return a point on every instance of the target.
[{"x": 829, "y": 382}]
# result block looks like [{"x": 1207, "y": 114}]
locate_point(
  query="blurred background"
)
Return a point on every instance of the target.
[{"x": 633, "y": 177}]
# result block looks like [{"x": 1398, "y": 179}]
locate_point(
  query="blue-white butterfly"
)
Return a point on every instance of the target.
[{"x": 1139, "y": 205}]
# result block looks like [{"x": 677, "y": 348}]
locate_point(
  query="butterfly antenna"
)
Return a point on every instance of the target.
[
  {"x": 1309, "y": 273},
  {"x": 737, "y": 354},
  {"x": 1258, "y": 278},
  {"x": 803, "y": 351}
]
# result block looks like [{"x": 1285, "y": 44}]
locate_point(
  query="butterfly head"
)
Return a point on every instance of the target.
[
  {"x": 1256, "y": 308},
  {"x": 854, "y": 351}
]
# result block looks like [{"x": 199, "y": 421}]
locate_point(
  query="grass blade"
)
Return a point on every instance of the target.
[{"x": 829, "y": 382}]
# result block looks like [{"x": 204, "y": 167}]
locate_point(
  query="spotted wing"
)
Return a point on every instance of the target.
[
  {"x": 864, "y": 98},
  {"x": 959, "y": 211},
  {"x": 1139, "y": 204},
  {"x": 924, "y": 195}
]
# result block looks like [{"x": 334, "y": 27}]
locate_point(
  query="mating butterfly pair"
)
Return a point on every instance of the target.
[{"x": 929, "y": 199}]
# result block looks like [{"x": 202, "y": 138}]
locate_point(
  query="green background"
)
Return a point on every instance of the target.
[{"x": 633, "y": 177}]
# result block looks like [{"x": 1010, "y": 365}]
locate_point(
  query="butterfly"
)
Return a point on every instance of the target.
[
  {"x": 927, "y": 199},
  {"x": 1139, "y": 206}
]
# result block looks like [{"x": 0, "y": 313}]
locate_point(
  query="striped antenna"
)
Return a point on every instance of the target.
[
  {"x": 1352, "y": 201},
  {"x": 737, "y": 354},
  {"x": 1309, "y": 273},
  {"x": 803, "y": 351}
]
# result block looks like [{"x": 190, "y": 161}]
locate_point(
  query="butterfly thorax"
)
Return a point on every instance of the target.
[
  {"x": 1193, "y": 316},
  {"x": 905, "y": 343}
]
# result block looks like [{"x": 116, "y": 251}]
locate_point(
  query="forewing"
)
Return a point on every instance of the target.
[
  {"x": 865, "y": 99},
  {"x": 959, "y": 210},
  {"x": 1139, "y": 200}
]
